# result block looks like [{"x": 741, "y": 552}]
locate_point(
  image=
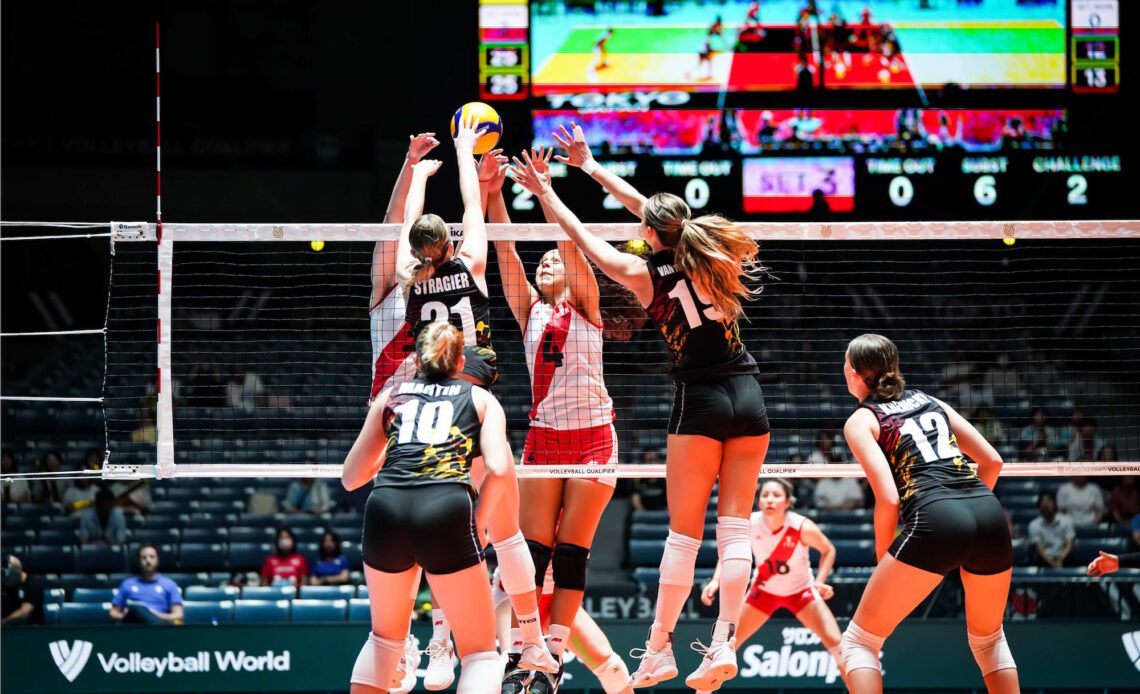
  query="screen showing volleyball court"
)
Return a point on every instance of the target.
[{"x": 780, "y": 45}]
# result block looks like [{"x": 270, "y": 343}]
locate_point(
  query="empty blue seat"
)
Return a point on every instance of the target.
[
  {"x": 196, "y": 556},
  {"x": 319, "y": 610},
  {"x": 353, "y": 553},
  {"x": 206, "y": 535},
  {"x": 71, "y": 581},
  {"x": 63, "y": 522},
  {"x": 362, "y": 591},
  {"x": 159, "y": 520},
  {"x": 53, "y": 596},
  {"x": 858, "y": 515},
  {"x": 649, "y": 531},
  {"x": 228, "y": 494},
  {"x": 155, "y": 536},
  {"x": 257, "y": 534},
  {"x": 855, "y": 552},
  {"x": 84, "y": 613},
  {"x": 105, "y": 560},
  {"x": 658, "y": 517},
  {"x": 301, "y": 520},
  {"x": 1087, "y": 549},
  {"x": 261, "y": 611},
  {"x": 250, "y": 520},
  {"x": 89, "y": 595},
  {"x": 268, "y": 592},
  {"x": 359, "y": 610},
  {"x": 247, "y": 556},
  {"x": 211, "y": 520},
  {"x": 17, "y": 538},
  {"x": 853, "y": 531},
  {"x": 218, "y": 506},
  {"x": 208, "y": 611},
  {"x": 169, "y": 506},
  {"x": 43, "y": 559},
  {"x": 327, "y": 592},
  {"x": 211, "y": 593},
  {"x": 186, "y": 493}
]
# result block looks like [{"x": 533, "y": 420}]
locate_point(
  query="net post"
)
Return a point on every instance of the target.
[{"x": 164, "y": 416}]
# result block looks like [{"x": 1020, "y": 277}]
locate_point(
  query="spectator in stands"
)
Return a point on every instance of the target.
[
  {"x": 1123, "y": 500},
  {"x": 80, "y": 495},
  {"x": 1081, "y": 501},
  {"x": 825, "y": 449},
  {"x": 103, "y": 523},
  {"x": 245, "y": 391},
  {"x": 332, "y": 568},
  {"x": 147, "y": 430},
  {"x": 989, "y": 427},
  {"x": 1038, "y": 440},
  {"x": 48, "y": 490},
  {"x": 17, "y": 491},
  {"x": 22, "y": 604},
  {"x": 957, "y": 379},
  {"x": 307, "y": 495},
  {"x": 285, "y": 566},
  {"x": 1000, "y": 378},
  {"x": 1051, "y": 534},
  {"x": 1086, "y": 444},
  {"x": 649, "y": 492},
  {"x": 1107, "y": 453},
  {"x": 839, "y": 493},
  {"x": 160, "y": 597}
]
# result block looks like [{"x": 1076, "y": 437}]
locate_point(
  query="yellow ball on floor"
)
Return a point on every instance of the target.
[
  {"x": 487, "y": 123},
  {"x": 317, "y": 245}
]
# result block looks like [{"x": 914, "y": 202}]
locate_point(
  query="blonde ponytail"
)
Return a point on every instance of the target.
[
  {"x": 429, "y": 238},
  {"x": 713, "y": 252},
  {"x": 439, "y": 347}
]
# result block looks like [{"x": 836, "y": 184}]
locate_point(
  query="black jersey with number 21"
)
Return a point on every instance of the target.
[
  {"x": 916, "y": 438},
  {"x": 703, "y": 346}
]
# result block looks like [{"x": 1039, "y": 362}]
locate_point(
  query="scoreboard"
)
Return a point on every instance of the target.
[{"x": 845, "y": 110}]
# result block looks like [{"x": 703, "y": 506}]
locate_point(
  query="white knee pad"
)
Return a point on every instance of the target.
[
  {"x": 860, "y": 649},
  {"x": 516, "y": 567},
  {"x": 377, "y": 661},
  {"x": 613, "y": 675},
  {"x": 733, "y": 538},
  {"x": 480, "y": 673},
  {"x": 991, "y": 652},
  {"x": 679, "y": 562}
]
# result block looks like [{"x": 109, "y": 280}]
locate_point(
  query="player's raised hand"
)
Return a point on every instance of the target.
[
  {"x": 577, "y": 150},
  {"x": 541, "y": 159},
  {"x": 525, "y": 173},
  {"x": 420, "y": 145},
  {"x": 466, "y": 135},
  {"x": 426, "y": 167},
  {"x": 490, "y": 164},
  {"x": 709, "y": 591}
]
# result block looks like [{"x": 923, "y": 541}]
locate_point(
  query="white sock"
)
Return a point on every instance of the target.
[
  {"x": 678, "y": 563},
  {"x": 440, "y": 628},
  {"x": 735, "y": 549},
  {"x": 559, "y": 639},
  {"x": 530, "y": 628},
  {"x": 722, "y": 631},
  {"x": 517, "y": 640}
]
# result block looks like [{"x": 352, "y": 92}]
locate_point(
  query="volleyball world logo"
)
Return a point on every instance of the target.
[{"x": 70, "y": 659}]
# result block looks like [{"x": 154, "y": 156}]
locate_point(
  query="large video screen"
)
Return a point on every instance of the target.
[{"x": 696, "y": 45}]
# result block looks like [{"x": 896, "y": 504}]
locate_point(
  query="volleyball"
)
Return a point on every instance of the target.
[
  {"x": 487, "y": 123},
  {"x": 317, "y": 245}
]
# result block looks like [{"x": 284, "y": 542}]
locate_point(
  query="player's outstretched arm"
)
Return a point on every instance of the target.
[
  {"x": 413, "y": 208},
  {"x": 370, "y": 449},
  {"x": 383, "y": 257},
  {"x": 578, "y": 154},
  {"x": 474, "y": 229},
  {"x": 623, "y": 268},
  {"x": 861, "y": 432},
  {"x": 517, "y": 288}
]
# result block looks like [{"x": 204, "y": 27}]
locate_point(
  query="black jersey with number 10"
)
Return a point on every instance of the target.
[
  {"x": 703, "y": 346},
  {"x": 916, "y": 438},
  {"x": 433, "y": 433}
]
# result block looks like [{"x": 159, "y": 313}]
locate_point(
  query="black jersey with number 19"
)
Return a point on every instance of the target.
[
  {"x": 702, "y": 345},
  {"x": 433, "y": 433},
  {"x": 916, "y": 438}
]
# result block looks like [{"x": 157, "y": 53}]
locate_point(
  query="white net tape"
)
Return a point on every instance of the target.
[{"x": 235, "y": 350}]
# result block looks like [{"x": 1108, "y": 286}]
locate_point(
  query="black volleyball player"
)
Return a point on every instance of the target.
[
  {"x": 914, "y": 450},
  {"x": 718, "y": 431}
]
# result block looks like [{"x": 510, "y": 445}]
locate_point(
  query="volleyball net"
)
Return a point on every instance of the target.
[{"x": 239, "y": 350}]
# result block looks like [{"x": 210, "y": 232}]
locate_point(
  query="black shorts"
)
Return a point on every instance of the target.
[
  {"x": 482, "y": 365},
  {"x": 724, "y": 409},
  {"x": 432, "y": 526},
  {"x": 945, "y": 534}
]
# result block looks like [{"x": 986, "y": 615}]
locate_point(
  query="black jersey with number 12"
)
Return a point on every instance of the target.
[
  {"x": 703, "y": 346},
  {"x": 433, "y": 433},
  {"x": 916, "y": 438}
]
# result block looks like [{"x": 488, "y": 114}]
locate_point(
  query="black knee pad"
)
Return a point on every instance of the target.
[
  {"x": 570, "y": 563},
  {"x": 540, "y": 555}
]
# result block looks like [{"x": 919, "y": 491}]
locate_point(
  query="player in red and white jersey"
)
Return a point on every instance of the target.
[
  {"x": 571, "y": 414},
  {"x": 783, "y": 578},
  {"x": 387, "y": 307}
]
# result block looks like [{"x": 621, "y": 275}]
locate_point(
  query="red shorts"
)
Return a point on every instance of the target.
[
  {"x": 590, "y": 446},
  {"x": 769, "y": 603}
]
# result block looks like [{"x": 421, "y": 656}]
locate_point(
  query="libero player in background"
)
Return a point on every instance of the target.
[
  {"x": 783, "y": 577},
  {"x": 571, "y": 415},
  {"x": 718, "y": 431},
  {"x": 913, "y": 449}
]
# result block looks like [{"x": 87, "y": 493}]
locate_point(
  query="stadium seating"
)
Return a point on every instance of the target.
[
  {"x": 359, "y": 610},
  {"x": 98, "y": 559},
  {"x": 208, "y": 611},
  {"x": 81, "y": 613},
  {"x": 90, "y": 595},
  {"x": 211, "y": 593},
  {"x": 268, "y": 593},
  {"x": 261, "y": 611},
  {"x": 247, "y": 556},
  {"x": 327, "y": 592},
  {"x": 194, "y": 556},
  {"x": 45, "y": 559},
  {"x": 306, "y": 610}
]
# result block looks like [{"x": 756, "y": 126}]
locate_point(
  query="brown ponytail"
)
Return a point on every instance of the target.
[
  {"x": 429, "y": 238},
  {"x": 713, "y": 252},
  {"x": 439, "y": 347},
  {"x": 876, "y": 359}
]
